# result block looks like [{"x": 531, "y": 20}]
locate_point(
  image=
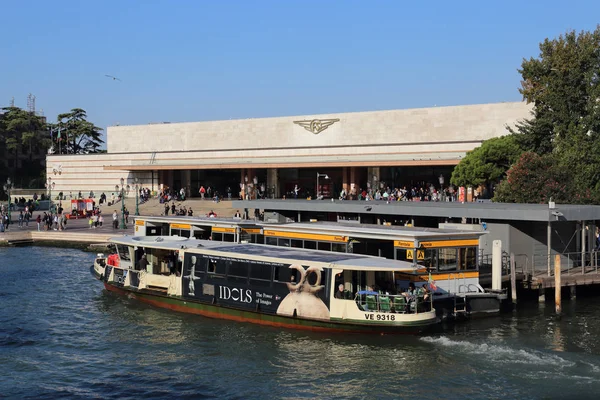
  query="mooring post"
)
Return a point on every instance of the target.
[
  {"x": 513, "y": 279},
  {"x": 557, "y": 284},
  {"x": 497, "y": 265}
]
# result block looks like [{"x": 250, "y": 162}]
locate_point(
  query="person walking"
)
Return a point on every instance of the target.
[{"x": 38, "y": 220}]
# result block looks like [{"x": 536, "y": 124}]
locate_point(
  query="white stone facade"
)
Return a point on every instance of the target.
[{"x": 429, "y": 136}]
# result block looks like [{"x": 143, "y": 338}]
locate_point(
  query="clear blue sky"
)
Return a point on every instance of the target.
[{"x": 208, "y": 60}]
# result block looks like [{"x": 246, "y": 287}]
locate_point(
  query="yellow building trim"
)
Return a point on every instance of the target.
[
  {"x": 251, "y": 230},
  {"x": 407, "y": 244},
  {"x": 451, "y": 243},
  {"x": 306, "y": 236},
  {"x": 181, "y": 226},
  {"x": 218, "y": 229}
]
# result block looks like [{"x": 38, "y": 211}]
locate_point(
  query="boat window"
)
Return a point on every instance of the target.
[
  {"x": 123, "y": 252},
  {"x": 324, "y": 246},
  {"x": 228, "y": 237},
  {"x": 283, "y": 242},
  {"x": 297, "y": 243},
  {"x": 310, "y": 244},
  {"x": 285, "y": 273},
  {"x": 236, "y": 268},
  {"x": 175, "y": 232},
  {"x": 339, "y": 247},
  {"x": 427, "y": 258},
  {"x": 217, "y": 237},
  {"x": 468, "y": 258},
  {"x": 401, "y": 254},
  {"x": 447, "y": 260},
  {"x": 271, "y": 241},
  {"x": 216, "y": 268},
  {"x": 384, "y": 282},
  {"x": 260, "y": 271}
]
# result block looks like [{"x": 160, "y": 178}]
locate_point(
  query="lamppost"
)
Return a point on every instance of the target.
[
  {"x": 7, "y": 187},
  {"x": 137, "y": 195},
  {"x": 122, "y": 189},
  {"x": 320, "y": 192},
  {"x": 246, "y": 187},
  {"x": 50, "y": 185},
  {"x": 441, "y": 180}
]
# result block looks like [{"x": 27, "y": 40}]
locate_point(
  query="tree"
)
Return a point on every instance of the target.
[
  {"x": 20, "y": 132},
  {"x": 487, "y": 163},
  {"x": 563, "y": 84},
  {"x": 77, "y": 134},
  {"x": 535, "y": 179}
]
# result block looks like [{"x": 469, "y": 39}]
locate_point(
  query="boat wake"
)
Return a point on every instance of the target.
[{"x": 501, "y": 353}]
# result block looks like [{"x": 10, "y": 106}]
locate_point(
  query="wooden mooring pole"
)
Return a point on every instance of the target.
[
  {"x": 513, "y": 279},
  {"x": 557, "y": 285}
]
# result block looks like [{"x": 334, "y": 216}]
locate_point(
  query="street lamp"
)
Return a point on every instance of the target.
[
  {"x": 121, "y": 189},
  {"x": 7, "y": 187},
  {"x": 137, "y": 195},
  {"x": 319, "y": 176}
]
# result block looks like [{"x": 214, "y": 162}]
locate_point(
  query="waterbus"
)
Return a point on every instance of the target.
[{"x": 268, "y": 285}]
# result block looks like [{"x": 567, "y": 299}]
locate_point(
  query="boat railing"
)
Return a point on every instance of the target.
[{"x": 394, "y": 303}]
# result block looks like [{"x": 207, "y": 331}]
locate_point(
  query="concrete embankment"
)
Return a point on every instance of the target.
[{"x": 94, "y": 241}]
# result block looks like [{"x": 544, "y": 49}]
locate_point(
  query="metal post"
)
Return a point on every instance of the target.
[
  {"x": 583, "y": 246},
  {"x": 549, "y": 244},
  {"x": 137, "y": 200},
  {"x": 557, "y": 284},
  {"x": 123, "y": 226},
  {"x": 513, "y": 279}
]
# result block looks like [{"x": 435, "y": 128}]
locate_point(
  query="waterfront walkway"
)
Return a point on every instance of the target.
[{"x": 78, "y": 230}]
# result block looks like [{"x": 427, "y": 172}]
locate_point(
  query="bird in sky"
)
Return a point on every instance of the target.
[{"x": 114, "y": 78}]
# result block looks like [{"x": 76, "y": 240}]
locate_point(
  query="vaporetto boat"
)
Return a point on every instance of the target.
[{"x": 283, "y": 287}]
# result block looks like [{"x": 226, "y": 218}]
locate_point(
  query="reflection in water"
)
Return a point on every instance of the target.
[{"x": 65, "y": 336}]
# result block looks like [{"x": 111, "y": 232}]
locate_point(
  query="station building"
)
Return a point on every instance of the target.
[{"x": 347, "y": 150}]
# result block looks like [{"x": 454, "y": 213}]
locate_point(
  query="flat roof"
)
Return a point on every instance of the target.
[
  {"x": 282, "y": 255},
  {"x": 372, "y": 231},
  {"x": 484, "y": 210}
]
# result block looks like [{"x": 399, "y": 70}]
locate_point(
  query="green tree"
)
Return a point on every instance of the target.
[
  {"x": 20, "y": 133},
  {"x": 487, "y": 163},
  {"x": 535, "y": 179},
  {"x": 563, "y": 84},
  {"x": 78, "y": 135}
]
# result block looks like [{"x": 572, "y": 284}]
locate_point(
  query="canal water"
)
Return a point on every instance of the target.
[{"x": 63, "y": 336}]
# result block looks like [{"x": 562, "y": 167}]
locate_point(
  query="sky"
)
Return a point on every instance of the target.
[{"x": 196, "y": 60}]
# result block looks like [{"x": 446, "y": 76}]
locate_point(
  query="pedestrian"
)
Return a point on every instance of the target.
[
  {"x": 21, "y": 219},
  {"x": 100, "y": 219},
  {"x": 38, "y": 220}
]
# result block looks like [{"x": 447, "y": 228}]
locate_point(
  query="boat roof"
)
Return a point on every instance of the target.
[
  {"x": 282, "y": 255},
  {"x": 389, "y": 232}
]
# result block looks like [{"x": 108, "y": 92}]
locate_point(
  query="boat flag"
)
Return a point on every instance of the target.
[
  {"x": 58, "y": 138},
  {"x": 432, "y": 284}
]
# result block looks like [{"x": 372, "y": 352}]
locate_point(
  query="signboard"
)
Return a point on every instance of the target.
[
  {"x": 410, "y": 254},
  {"x": 404, "y": 243},
  {"x": 181, "y": 226},
  {"x": 420, "y": 254}
]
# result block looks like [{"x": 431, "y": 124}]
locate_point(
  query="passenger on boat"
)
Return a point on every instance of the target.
[
  {"x": 340, "y": 292},
  {"x": 424, "y": 291},
  {"x": 143, "y": 263}
]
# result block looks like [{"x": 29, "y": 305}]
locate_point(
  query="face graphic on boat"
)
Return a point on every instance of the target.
[{"x": 302, "y": 300}]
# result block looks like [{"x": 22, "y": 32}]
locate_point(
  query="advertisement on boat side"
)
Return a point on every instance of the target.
[{"x": 262, "y": 286}]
